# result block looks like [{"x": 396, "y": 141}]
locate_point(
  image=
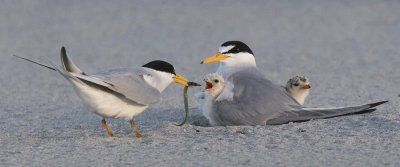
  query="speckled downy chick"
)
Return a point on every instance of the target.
[
  {"x": 298, "y": 87},
  {"x": 214, "y": 86}
]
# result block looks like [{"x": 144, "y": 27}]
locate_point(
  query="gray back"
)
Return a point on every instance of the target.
[{"x": 256, "y": 100}]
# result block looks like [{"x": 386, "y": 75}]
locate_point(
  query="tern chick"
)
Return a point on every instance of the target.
[
  {"x": 298, "y": 87},
  {"x": 215, "y": 83}
]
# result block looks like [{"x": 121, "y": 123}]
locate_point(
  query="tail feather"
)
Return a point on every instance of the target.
[
  {"x": 67, "y": 63},
  {"x": 68, "y": 69},
  {"x": 23, "y": 58}
]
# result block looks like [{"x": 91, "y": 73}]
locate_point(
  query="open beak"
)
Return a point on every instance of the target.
[
  {"x": 208, "y": 85},
  {"x": 306, "y": 87},
  {"x": 216, "y": 57},
  {"x": 180, "y": 80}
]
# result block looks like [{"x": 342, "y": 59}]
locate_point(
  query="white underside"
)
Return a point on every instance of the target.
[
  {"x": 300, "y": 96},
  {"x": 206, "y": 103},
  {"x": 105, "y": 104}
]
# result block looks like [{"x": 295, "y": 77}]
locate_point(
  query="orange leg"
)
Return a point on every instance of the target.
[
  {"x": 105, "y": 127},
  {"x": 134, "y": 128}
]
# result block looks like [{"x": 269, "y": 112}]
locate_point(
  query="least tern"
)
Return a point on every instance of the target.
[
  {"x": 118, "y": 93},
  {"x": 249, "y": 98},
  {"x": 298, "y": 87},
  {"x": 215, "y": 83}
]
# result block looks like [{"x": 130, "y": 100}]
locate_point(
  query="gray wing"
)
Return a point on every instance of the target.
[
  {"x": 67, "y": 63},
  {"x": 130, "y": 83},
  {"x": 258, "y": 101},
  {"x": 306, "y": 114},
  {"x": 127, "y": 82},
  {"x": 123, "y": 82},
  {"x": 255, "y": 100}
]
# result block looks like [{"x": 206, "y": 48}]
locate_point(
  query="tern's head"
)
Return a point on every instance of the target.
[
  {"x": 233, "y": 54},
  {"x": 214, "y": 84},
  {"x": 166, "y": 73},
  {"x": 298, "y": 87}
]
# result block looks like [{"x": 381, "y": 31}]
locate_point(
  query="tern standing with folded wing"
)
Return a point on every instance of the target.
[
  {"x": 249, "y": 98},
  {"x": 119, "y": 93}
]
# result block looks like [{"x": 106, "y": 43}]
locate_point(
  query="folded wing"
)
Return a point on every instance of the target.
[
  {"x": 306, "y": 114},
  {"x": 255, "y": 100},
  {"x": 125, "y": 82},
  {"x": 258, "y": 101}
]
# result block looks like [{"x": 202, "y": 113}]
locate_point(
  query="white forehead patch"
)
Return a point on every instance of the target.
[{"x": 223, "y": 49}]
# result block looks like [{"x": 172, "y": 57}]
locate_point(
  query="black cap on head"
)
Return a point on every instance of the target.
[
  {"x": 238, "y": 47},
  {"x": 160, "y": 65}
]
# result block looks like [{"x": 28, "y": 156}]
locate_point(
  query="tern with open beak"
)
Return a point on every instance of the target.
[
  {"x": 249, "y": 98},
  {"x": 118, "y": 93},
  {"x": 215, "y": 83}
]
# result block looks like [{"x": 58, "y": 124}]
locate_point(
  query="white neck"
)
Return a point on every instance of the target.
[
  {"x": 300, "y": 96},
  {"x": 158, "y": 80},
  {"x": 236, "y": 62},
  {"x": 216, "y": 92}
]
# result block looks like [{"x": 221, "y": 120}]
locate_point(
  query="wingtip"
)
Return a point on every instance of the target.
[
  {"x": 377, "y": 103},
  {"x": 364, "y": 111}
]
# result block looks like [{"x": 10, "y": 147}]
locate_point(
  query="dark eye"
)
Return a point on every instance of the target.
[
  {"x": 296, "y": 84},
  {"x": 216, "y": 81}
]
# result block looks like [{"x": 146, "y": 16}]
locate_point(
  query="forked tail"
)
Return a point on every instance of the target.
[
  {"x": 67, "y": 63},
  {"x": 67, "y": 69},
  {"x": 51, "y": 68}
]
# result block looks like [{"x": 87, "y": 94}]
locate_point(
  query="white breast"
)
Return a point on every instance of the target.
[
  {"x": 106, "y": 104},
  {"x": 300, "y": 96},
  {"x": 206, "y": 103}
]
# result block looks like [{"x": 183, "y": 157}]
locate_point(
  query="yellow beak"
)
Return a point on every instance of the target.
[
  {"x": 180, "y": 80},
  {"x": 216, "y": 57}
]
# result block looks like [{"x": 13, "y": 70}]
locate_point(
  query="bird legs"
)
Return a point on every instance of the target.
[
  {"x": 103, "y": 121},
  {"x": 134, "y": 128}
]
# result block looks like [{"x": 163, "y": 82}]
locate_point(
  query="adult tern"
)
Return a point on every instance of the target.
[
  {"x": 249, "y": 98},
  {"x": 121, "y": 92}
]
